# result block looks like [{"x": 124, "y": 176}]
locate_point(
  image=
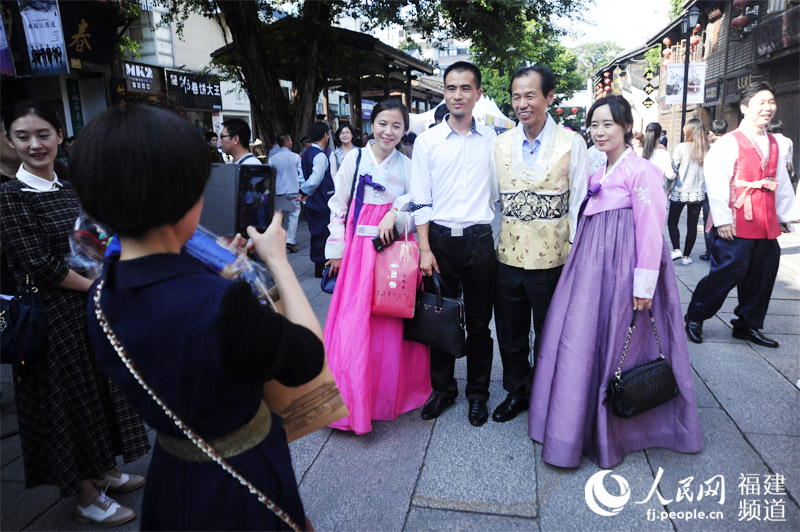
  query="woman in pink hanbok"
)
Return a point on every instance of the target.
[
  {"x": 619, "y": 262},
  {"x": 379, "y": 374}
]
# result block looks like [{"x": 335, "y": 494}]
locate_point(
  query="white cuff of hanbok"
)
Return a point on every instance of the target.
[
  {"x": 644, "y": 283},
  {"x": 334, "y": 246}
]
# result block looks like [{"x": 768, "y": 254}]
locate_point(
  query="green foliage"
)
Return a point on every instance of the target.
[
  {"x": 131, "y": 46},
  {"x": 653, "y": 58},
  {"x": 675, "y": 8},
  {"x": 593, "y": 56},
  {"x": 409, "y": 45}
]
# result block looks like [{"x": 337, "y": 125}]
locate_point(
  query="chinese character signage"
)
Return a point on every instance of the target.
[
  {"x": 89, "y": 30},
  {"x": 142, "y": 78},
  {"x": 6, "y": 60},
  {"x": 74, "y": 102},
  {"x": 46, "y": 48},
  {"x": 194, "y": 91},
  {"x": 711, "y": 93},
  {"x": 695, "y": 86}
]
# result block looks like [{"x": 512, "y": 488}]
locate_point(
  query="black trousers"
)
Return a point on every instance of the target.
[
  {"x": 751, "y": 265},
  {"x": 318, "y": 227},
  {"x": 520, "y": 292},
  {"x": 707, "y": 235},
  {"x": 466, "y": 263},
  {"x": 692, "y": 214}
]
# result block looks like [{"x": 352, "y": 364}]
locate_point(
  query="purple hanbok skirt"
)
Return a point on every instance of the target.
[{"x": 581, "y": 348}]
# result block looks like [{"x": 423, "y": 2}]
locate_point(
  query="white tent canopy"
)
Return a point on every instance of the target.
[{"x": 485, "y": 112}]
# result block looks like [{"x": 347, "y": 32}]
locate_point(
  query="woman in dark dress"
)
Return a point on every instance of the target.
[
  {"x": 204, "y": 344},
  {"x": 73, "y": 420}
]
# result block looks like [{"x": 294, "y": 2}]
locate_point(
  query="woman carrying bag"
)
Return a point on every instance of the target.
[
  {"x": 688, "y": 190},
  {"x": 379, "y": 374},
  {"x": 618, "y": 264}
]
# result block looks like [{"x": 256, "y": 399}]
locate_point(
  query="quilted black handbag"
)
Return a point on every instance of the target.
[
  {"x": 23, "y": 326},
  {"x": 438, "y": 322},
  {"x": 644, "y": 387}
]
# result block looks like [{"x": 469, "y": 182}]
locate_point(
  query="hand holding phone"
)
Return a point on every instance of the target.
[{"x": 378, "y": 243}]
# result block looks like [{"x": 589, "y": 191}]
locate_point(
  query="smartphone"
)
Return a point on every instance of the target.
[{"x": 378, "y": 243}]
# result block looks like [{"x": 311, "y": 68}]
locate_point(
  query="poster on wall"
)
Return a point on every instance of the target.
[
  {"x": 6, "y": 60},
  {"x": 46, "y": 48},
  {"x": 695, "y": 87}
]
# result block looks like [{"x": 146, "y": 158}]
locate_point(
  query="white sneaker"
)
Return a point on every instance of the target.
[
  {"x": 686, "y": 261},
  {"x": 105, "y": 511},
  {"x": 676, "y": 254}
]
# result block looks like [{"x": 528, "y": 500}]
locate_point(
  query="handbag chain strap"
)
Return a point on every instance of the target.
[
  {"x": 631, "y": 327},
  {"x": 193, "y": 437}
]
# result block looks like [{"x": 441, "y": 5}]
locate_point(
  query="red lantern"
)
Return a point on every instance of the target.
[
  {"x": 608, "y": 89},
  {"x": 607, "y": 81},
  {"x": 574, "y": 110},
  {"x": 694, "y": 40},
  {"x": 607, "y": 74},
  {"x": 698, "y": 28},
  {"x": 741, "y": 4},
  {"x": 559, "y": 110},
  {"x": 667, "y": 41},
  {"x": 740, "y": 22},
  {"x": 599, "y": 86},
  {"x": 667, "y": 52}
]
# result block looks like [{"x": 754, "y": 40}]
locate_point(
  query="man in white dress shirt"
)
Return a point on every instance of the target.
[
  {"x": 542, "y": 170},
  {"x": 453, "y": 195}
]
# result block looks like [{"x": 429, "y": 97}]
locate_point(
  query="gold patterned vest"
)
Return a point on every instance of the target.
[{"x": 534, "y": 232}]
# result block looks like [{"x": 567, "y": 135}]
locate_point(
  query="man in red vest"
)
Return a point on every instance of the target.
[{"x": 752, "y": 202}]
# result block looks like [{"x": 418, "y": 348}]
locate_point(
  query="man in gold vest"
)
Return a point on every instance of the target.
[{"x": 542, "y": 171}]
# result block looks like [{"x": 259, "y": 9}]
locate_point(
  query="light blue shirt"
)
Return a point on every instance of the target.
[
  {"x": 286, "y": 163},
  {"x": 531, "y": 153}
]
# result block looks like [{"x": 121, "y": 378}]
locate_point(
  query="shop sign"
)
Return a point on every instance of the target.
[
  {"x": 648, "y": 89},
  {"x": 142, "y": 78},
  {"x": 47, "y": 51},
  {"x": 366, "y": 109},
  {"x": 74, "y": 102},
  {"x": 6, "y": 59},
  {"x": 90, "y": 30},
  {"x": 711, "y": 93},
  {"x": 778, "y": 33},
  {"x": 648, "y": 102},
  {"x": 194, "y": 91}
]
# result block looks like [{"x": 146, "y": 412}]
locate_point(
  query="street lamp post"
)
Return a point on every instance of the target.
[{"x": 687, "y": 24}]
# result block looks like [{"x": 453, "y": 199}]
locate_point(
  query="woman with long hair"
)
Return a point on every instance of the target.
[
  {"x": 73, "y": 421},
  {"x": 619, "y": 264},
  {"x": 344, "y": 139},
  {"x": 688, "y": 190},
  {"x": 653, "y": 152},
  {"x": 379, "y": 374}
]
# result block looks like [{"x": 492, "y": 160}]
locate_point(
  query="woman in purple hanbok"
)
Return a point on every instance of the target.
[{"x": 619, "y": 262}]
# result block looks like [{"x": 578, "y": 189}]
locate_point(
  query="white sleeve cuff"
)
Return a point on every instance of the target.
[{"x": 644, "y": 283}]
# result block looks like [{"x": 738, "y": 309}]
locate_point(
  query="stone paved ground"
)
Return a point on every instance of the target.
[{"x": 445, "y": 474}]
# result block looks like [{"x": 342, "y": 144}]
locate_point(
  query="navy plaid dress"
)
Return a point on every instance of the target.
[{"x": 73, "y": 419}]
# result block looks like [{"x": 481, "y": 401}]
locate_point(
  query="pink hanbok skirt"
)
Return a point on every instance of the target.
[{"x": 379, "y": 375}]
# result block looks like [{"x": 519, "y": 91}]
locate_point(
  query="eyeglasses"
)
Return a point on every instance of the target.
[{"x": 224, "y": 136}]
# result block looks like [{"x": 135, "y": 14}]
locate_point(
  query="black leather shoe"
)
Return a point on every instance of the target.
[
  {"x": 694, "y": 330},
  {"x": 753, "y": 335},
  {"x": 705, "y": 256},
  {"x": 437, "y": 404},
  {"x": 508, "y": 409},
  {"x": 478, "y": 413}
]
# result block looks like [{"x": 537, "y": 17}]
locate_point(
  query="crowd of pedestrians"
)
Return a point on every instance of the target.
[{"x": 580, "y": 256}]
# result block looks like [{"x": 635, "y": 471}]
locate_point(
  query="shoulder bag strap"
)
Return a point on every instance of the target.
[
  {"x": 352, "y": 189},
  {"x": 631, "y": 327},
  {"x": 194, "y": 438}
]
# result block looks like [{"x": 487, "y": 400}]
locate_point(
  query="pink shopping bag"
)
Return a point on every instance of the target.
[{"x": 397, "y": 275}]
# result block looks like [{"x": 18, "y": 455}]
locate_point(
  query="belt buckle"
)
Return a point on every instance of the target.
[{"x": 457, "y": 231}]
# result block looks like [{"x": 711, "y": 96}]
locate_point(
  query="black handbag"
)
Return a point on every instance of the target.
[
  {"x": 438, "y": 322},
  {"x": 23, "y": 326},
  {"x": 644, "y": 387},
  {"x": 329, "y": 283}
]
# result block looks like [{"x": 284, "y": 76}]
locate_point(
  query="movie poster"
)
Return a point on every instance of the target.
[
  {"x": 6, "y": 61},
  {"x": 695, "y": 88},
  {"x": 46, "y": 47}
]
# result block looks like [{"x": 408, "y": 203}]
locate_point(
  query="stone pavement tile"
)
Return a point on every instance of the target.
[
  {"x": 13, "y": 472},
  {"x": 9, "y": 423},
  {"x": 562, "y": 496},
  {"x": 753, "y": 393},
  {"x": 725, "y": 452},
  {"x": 702, "y": 395},
  {"x": 306, "y": 449},
  {"x": 26, "y": 504},
  {"x": 780, "y": 307},
  {"x": 10, "y": 450},
  {"x": 780, "y": 453},
  {"x": 684, "y": 293},
  {"x": 366, "y": 482},
  {"x": 784, "y": 358},
  {"x": 423, "y": 519},
  {"x": 773, "y": 323},
  {"x": 488, "y": 469}
]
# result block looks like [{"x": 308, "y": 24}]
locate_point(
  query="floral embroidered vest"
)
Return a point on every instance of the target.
[
  {"x": 752, "y": 200},
  {"x": 534, "y": 230}
]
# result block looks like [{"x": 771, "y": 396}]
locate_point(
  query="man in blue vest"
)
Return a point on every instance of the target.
[{"x": 316, "y": 191}]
